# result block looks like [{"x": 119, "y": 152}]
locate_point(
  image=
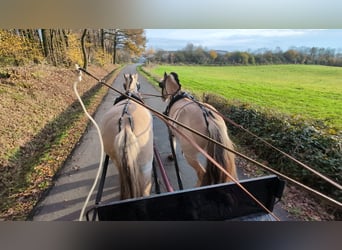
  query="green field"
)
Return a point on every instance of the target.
[{"x": 307, "y": 91}]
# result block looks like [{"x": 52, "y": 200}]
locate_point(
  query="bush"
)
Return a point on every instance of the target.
[
  {"x": 16, "y": 50},
  {"x": 308, "y": 141}
]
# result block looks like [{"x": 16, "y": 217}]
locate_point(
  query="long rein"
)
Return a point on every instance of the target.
[
  {"x": 166, "y": 119},
  {"x": 171, "y": 122},
  {"x": 273, "y": 147},
  {"x": 277, "y": 149},
  {"x": 100, "y": 168}
]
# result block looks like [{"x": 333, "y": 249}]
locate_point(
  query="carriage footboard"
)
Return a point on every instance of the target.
[{"x": 216, "y": 202}]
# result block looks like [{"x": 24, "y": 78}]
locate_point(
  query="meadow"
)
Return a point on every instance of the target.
[
  {"x": 296, "y": 108},
  {"x": 311, "y": 92}
]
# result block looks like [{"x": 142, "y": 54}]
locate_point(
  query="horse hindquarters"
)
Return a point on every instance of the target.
[
  {"x": 218, "y": 132},
  {"x": 127, "y": 149}
]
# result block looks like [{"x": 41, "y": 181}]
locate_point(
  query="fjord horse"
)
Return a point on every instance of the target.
[
  {"x": 183, "y": 108},
  {"x": 127, "y": 132}
]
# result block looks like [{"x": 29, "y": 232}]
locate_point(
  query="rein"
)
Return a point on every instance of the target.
[
  {"x": 123, "y": 97},
  {"x": 185, "y": 95},
  {"x": 151, "y": 95},
  {"x": 277, "y": 149},
  {"x": 206, "y": 114},
  {"x": 167, "y": 120}
]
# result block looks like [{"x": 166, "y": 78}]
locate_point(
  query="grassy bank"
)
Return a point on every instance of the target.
[{"x": 42, "y": 122}]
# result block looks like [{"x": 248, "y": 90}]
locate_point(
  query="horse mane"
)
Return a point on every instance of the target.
[{"x": 175, "y": 76}]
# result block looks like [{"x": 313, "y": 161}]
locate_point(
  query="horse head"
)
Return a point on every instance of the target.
[
  {"x": 131, "y": 83},
  {"x": 170, "y": 85}
]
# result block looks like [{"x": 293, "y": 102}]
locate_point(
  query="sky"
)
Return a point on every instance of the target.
[{"x": 243, "y": 39}]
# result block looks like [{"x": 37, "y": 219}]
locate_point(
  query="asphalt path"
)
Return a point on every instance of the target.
[{"x": 66, "y": 198}]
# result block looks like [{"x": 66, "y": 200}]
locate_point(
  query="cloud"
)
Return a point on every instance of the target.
[{"x": 231, "y": 39}]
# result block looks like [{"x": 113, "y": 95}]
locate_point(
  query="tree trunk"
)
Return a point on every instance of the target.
[
  {"x": 45, "y": 41},
  {"x": 85, "y": 58},
  {"x": 102, "y": 41},
  {"x": 62, "y": 47},
  {"x": 53, "y": 47},
  {"x": 114, "y": 49},
  {"x": 66, "y": 39}
]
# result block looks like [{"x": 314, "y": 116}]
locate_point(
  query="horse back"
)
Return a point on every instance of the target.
[
  {"x": 137, "y": 117},
  {"x": 195, "y": 114}
]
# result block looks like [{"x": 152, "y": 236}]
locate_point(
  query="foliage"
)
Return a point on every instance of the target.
[
  {"x": 301, "y": 139},
  {"x": 126, "y": 43},
  {"x": 101, "y": 58},
  {"x": 62, "y": 47},
  {"x": 213, "y": 54},
  {"x": 73, "y": 52},
  {"x": 199, "y": 55},
  {"x": 18, "y": 50}
]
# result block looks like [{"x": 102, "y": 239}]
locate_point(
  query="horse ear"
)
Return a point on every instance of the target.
[
  {"x": 126, "y": 76},
  {"x": 165, "y": 75}
]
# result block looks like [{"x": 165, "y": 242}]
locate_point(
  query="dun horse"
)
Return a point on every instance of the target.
[
  {"x": 184, "y": 109},
  {"x": 128, "y": 140}
]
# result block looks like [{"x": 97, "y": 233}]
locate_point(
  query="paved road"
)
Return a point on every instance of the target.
[{"x": 65, "y": 200}]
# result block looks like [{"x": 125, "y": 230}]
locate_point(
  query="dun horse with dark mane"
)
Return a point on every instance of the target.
[
  {"x": 199, "y": 116},
  {"x": 127, "y": 132}
]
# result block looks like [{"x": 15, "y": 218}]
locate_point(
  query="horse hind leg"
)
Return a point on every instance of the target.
[
  {"x": 173, "y": 156},
  {"x": 173, "y": 146},
  {"x": 197, "y": 166},
  {"x": 146, "y": 178}
]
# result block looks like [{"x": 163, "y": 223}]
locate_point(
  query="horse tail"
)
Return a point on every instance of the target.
[
  {"x": 217, "y": 131},
  {"x": 127, "y": 149}
]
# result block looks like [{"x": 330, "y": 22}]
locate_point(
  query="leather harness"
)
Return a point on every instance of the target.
[
  {"x": 125, "y": 109},
  {"x": 206, "y": 112}
]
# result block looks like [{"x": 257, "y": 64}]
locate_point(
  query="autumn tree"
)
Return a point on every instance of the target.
[
  {"x": 55, "y": 44},
  {"x": 213, "y": 55},
  {"x": 291, "y": 55},
  {"x": 149, "y": 54},
  {"x": 18, "y": 47},
  {"x": 132, "y": 41}
]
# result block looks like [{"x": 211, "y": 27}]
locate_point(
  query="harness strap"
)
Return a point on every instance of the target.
[
  {"x": 206, "y": 112},
  {"x": 125, "y": 112},
  {"x": 174, "y": 99},
  {"x": 125, "y": 109},
  {"x": 126, "y": 96}
]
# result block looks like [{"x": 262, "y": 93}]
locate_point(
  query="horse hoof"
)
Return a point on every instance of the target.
[{"x": 170, "y": 157}]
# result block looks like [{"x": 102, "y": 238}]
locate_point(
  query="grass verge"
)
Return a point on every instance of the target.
[{"x": 48, "y": 132}]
